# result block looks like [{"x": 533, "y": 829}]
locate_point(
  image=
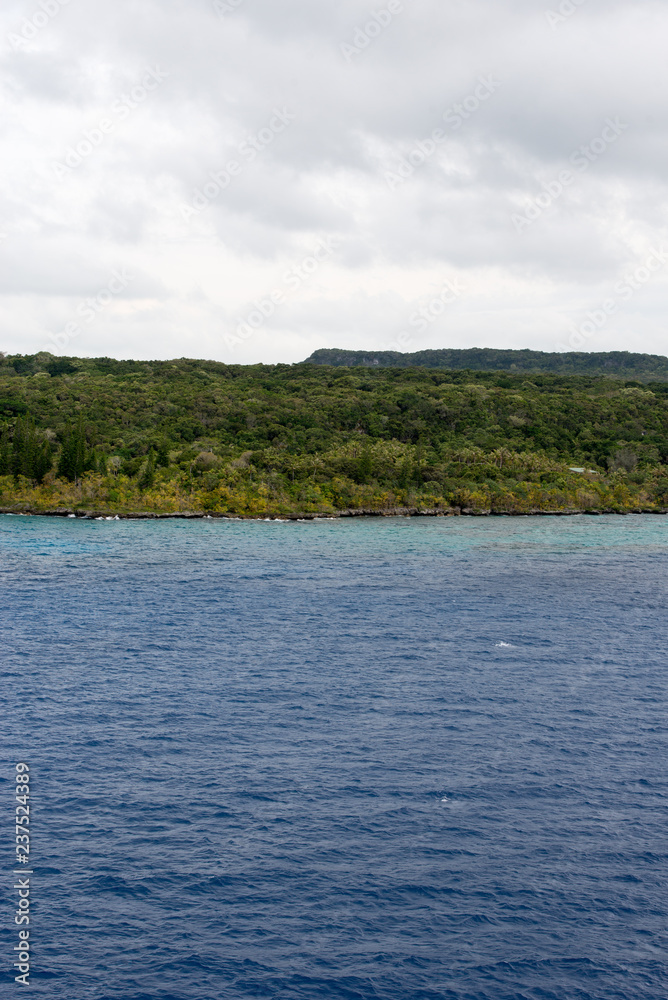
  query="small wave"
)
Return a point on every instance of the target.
[{"x": 504, "y": 645}]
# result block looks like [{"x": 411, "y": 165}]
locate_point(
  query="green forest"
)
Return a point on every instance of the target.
[
  {"x": 101, "y": 436},
  {"x": 619, "y": 364}
]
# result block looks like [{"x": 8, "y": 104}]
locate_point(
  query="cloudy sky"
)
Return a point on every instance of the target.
[{"x": 249, "y": 180}]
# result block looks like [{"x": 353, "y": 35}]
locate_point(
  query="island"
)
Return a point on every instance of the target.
[{"x": 99, "y": 437}]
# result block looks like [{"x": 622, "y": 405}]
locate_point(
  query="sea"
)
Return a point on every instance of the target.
[{"x": 356, "y": 759}]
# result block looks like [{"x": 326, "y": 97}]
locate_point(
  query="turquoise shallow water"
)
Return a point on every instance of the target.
[{"x": 363, "y": 759}]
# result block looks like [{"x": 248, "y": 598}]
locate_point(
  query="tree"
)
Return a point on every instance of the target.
[
  {"x": 74, "y": 456},
  {"x": 365, "y": 466},
  {"x": 406, "y": 473},
  {"x": 30, "y": 457},
  {"x": 148, "y": 476},
  {"x": 623, "y": 458},
  {"x": 5, "y": 453},
  {"x": 162, "y": 458}
]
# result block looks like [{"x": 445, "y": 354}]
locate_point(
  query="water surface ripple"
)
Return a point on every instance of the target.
[{"x": 371, "y": 760}]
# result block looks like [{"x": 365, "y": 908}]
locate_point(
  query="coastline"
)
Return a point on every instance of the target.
[{"x": 100, "y": 515}]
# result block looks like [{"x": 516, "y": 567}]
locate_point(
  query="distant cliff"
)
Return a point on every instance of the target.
[{"x": 618, "y": 364}]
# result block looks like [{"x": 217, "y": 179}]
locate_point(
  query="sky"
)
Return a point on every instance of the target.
[{"x": 251, "y": 180}]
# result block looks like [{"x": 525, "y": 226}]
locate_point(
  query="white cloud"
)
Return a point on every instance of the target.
[{"x": 325, "y": 174}]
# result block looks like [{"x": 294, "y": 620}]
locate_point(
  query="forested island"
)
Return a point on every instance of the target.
[{"x": 100, "y": 437}]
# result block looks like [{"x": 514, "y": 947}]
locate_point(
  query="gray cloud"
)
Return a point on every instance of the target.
[{"x": 186, "y": 89}]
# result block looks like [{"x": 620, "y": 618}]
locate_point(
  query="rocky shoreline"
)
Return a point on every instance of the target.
[{"x": 93, "y": 515}]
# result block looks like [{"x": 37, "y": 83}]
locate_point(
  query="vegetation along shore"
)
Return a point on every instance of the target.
[{"x": 106, "y": 438}]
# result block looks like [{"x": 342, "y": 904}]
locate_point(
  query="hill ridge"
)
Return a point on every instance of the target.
[{"x": 616, "y": 364}]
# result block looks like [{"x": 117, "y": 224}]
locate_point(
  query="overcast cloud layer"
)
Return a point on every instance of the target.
[{"x": 249, "y": 180}]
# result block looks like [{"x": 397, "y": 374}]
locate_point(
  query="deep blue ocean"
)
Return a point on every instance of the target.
[{"x": 402, "y": 759}]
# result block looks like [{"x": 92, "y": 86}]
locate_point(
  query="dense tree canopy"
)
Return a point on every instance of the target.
[
  {"x": 619, "y": 364},
  {"x": 310, "y": 434}
]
